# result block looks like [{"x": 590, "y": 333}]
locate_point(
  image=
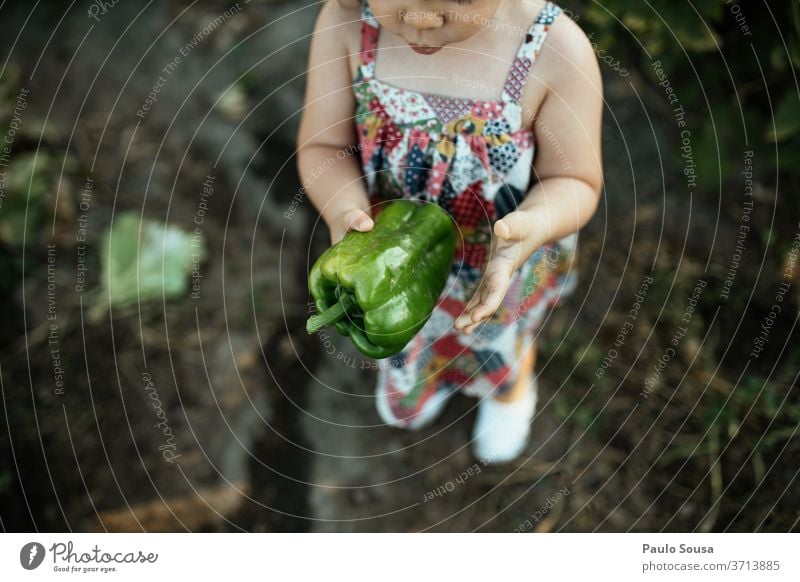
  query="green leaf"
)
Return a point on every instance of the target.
[
  {"x": 24, "y": 185},
  {"x": 712, "y": 148},
  {"x": 145, "y": 259},
  {"x": 787, "y": 118},
  {"x": 28, "y": 169},
  {"x": 787, "y": 157}
]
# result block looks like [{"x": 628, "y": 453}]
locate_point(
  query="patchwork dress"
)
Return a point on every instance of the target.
[{"x": 474, "y": 158}]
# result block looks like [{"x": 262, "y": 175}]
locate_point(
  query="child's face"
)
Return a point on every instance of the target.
[{"x": 428, "y": 25}]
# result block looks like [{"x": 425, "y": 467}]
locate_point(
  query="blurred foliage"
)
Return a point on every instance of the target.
[
  {"x": 732, "y": 65},
  {"x": 35, "y": 189},
  {"x": 145, "y": 260},
  {"x": 756, "y": 401},
  {"x": 24, "y": 177},
  {"x": 26, "y": 188},
  {"x": 141, "y": 259},
  {"x": 733, "y": 82}
]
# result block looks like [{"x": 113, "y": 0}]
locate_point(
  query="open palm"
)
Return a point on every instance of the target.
[{"x": 510, "y": 247}]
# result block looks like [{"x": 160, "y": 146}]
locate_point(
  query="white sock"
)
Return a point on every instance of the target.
[{"x": 502, "y": 429}]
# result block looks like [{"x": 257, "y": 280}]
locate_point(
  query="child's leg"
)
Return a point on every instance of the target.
[
  {"x": 526, "y": 366},
  {"x": 503, "y": 423}
]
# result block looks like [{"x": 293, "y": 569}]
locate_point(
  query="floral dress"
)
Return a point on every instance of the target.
[{"x": 474, "y": 159}]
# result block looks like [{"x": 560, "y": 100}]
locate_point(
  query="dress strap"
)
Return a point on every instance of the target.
[
  {"x": 528, "y": 51},
  {"x": 370, "y": 30}
]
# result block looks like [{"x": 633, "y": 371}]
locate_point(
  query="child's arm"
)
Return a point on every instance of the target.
[
  {"x": 327, "y": 159},
  {"x": 568, "y": 169}
]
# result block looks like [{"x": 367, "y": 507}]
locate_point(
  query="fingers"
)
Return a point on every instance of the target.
[
  {"x": 488, "y": 305},
  {"x": 490, "y": 301},
  {"x": 465, "y": 319},
  {"x": 353, "y": 219},
  {"x": 470, "y": 328},
  {"x": 467, "y": 316},
  {"x": 357, "y": 219},
  {"x": 483, "y": 304},
  {"x": 514, "y": 226}
]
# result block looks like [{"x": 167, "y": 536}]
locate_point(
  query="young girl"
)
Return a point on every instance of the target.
[{"x": 492, "y": 110}]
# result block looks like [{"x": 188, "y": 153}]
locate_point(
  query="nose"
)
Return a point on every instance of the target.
[{"x": 423, "y": 19}]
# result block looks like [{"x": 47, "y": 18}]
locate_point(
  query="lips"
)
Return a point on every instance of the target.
[{"x": 424, "y": 50}]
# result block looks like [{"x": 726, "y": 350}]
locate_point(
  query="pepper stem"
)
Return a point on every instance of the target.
[{"x": 331, "y": 315}]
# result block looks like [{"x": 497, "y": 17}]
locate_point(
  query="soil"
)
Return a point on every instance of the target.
[{"x": 273, "y": 432}]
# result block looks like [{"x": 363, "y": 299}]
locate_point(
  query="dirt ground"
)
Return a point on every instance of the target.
[{"x": 271, "y": 432}]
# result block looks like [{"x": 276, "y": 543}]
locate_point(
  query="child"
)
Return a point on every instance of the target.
[{"x": 446, "y": 101}]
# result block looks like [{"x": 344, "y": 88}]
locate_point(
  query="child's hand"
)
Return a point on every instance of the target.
[
  {"x": 515, "y": 239},
  {"x": 352, "y": 219}
]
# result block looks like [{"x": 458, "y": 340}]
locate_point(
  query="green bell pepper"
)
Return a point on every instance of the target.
[{"x": 380, "y": 287}]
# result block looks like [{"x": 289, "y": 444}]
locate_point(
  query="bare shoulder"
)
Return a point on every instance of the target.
[
  {"x": 567, "y": 58},
  {"x": 335, "y": 12},
  {"x": 340, "y": 20}
]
